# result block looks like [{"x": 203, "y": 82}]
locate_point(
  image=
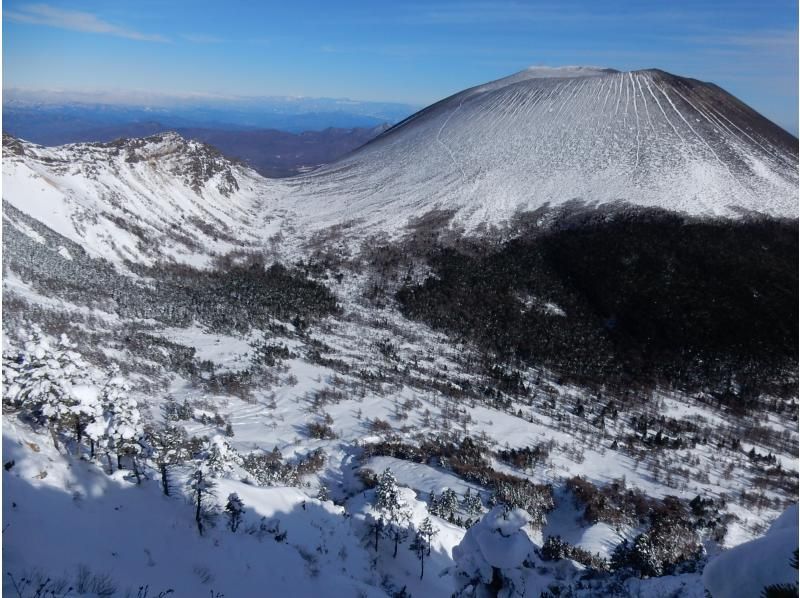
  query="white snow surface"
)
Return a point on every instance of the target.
[
  {"x": 420, "y": 477},
  {"x": 566, "y": 521},
  {"x": 747, "y": 569},
  {"x": 62, "y": 515}
]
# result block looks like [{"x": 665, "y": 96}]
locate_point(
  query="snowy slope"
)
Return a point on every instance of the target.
[
  {"x": 61, "y": 515},
  {"x": 748, "y": 568},
  {"x": 160, "y": 197},
  {"x": 548, "y": 136}
]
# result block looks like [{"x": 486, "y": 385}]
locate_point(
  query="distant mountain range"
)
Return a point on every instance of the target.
[
  {"x": 53, "y": 118},
  {"x": 278, "y": 154},
  {"x": 277, "y": 136},
  {"x": 270, "y": 152}
]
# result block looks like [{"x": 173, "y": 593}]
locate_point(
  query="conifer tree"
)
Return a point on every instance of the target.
[
  {"x": 448, "y": 504},
  {"x": 234, "y": 509},
  {"x": 472, "y": 504},
  {"x": 428, "y": 532},
  {"x": 220, "y": 457},
  {"x": 392, "y": 511},
  {"x": 120, "y": 430},
  {"x": 421, "y": 545},
  {"x": 52, "y": 385},
  {"x": 202, "y": 489},
  {"x": 418, "y": 547},
  {"x": 168, "y": 446}
]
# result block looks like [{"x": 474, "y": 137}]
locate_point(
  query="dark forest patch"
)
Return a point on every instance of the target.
[
  {"x": 233, "y": 297},
  {"x": 629, "y": 300}
]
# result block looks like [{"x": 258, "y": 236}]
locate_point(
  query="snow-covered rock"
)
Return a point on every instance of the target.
[{"x": 494, "y": 551}]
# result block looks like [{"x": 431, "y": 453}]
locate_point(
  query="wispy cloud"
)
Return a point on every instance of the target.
[
  {"x": 74, "y": 20},
  {"x": 200, "y": 38},
  {"x": 778, "y": 40},
  {"x": 470, "y": 13},
  {"x": 417, "y": 50}
]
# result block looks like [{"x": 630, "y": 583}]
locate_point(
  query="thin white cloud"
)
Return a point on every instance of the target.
[
  {"x": 200, "y": 38},
  {"x": 74, "y": 20},
  {"x": 763, "y": 41},
  {"x": 470, "y": 13}
]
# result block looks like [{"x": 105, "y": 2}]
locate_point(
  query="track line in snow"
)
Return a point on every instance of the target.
[
  {"x": 691, "y": 150},
  {"x": 534, "y": 101},
  {"x": 707, "y": 144},
  {"x": 793, "y": 165},
  {"x": 636, "y": 111},
  {"x": 608, "y": 92},
  {"x": 660, "y": 107},
  {"x": 644, "y": 101},
  {"x": 442, "y": 143},
  {"x": 566, "y": 100},
  {"x": 627, "y": 103},
  {"x": 618, "y": 93}
]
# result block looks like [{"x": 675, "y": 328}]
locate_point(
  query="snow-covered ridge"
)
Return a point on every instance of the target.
[
  {"x": 548, "y": 72},
  {"x": 567, "y": 71},
  {"x": 157, "y": 198},
  {"x": 544, "y": 137}
]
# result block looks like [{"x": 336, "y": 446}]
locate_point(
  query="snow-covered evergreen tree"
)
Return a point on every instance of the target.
[
  {"x": 419, "y": 547},
  {"x": 53, "y": 385},
  {"x": 392, "y": 511},
  {"x": 220, "y": 457},
  {"x": 421, "y": 544},
  {"x": 428, "y": 532},
  {"x": 323, "y": 493},
  {"x": 433, "y": 504},
  {"x": 120, "y": 430},
  {"x": 445, "y": 505},
  {"x": 234, "y": 509},
  {"x": 202, "y": 488},
  {"x": 168, "y": 446},
  {"x": 77, "y": 411},
  {"x": 496, "y": 555},
  {"x": 535, "y": 500},
  {"x": 644, "y": 556},
  {"x": 472, "y": 503},
  {"x": 13, "y": 363}
]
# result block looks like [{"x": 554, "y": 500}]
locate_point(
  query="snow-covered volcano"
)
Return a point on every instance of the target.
[{"x": 547, "y": 136}]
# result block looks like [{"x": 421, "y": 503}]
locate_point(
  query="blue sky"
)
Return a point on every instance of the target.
[{"x": 414, "y": 52}]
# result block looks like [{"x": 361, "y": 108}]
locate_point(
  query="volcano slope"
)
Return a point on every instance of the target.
[
  {"x": 544, "y": 137},
  {"x": 571, "y": 292}
]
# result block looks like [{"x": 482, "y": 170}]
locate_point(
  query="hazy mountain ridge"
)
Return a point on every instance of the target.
[
  {"x": 279, "y": 137},
  {"x": 57, "y": 117}
]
